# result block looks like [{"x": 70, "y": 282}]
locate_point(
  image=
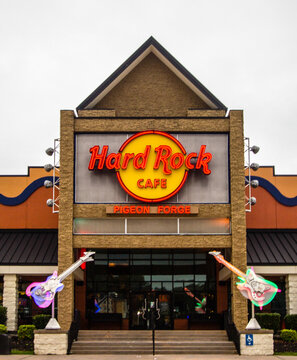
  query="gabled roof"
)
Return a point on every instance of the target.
[{"x": 152, "y": 46}]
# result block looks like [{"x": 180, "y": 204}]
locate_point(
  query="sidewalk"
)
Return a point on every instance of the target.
[{"x": 142, "y": 357}]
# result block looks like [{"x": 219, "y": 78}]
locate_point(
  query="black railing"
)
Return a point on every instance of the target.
[
  {"x": 232, "y": 332},
  {"x": 73, "y": 331}
]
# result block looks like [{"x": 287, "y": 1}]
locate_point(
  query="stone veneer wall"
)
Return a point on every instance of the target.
[
  {"x": 291, "y": 294},
  {"x": 50, "y": 342},
  {"x": 10, "y": 300},
  {"x": 263, "y": 343}
]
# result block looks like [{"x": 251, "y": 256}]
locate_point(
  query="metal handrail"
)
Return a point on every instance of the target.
[
  {"x": 232, "y": 332},
  {"x": 74, "y": 329}
]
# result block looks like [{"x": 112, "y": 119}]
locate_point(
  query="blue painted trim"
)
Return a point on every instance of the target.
[
  {"x": 13, "y": 201},
  {"x": 265, "y": 184}
]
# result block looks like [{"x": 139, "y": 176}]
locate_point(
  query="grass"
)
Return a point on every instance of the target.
[
  {"x": 23, "y": 352},
  {"x": 287, "y": 353}
]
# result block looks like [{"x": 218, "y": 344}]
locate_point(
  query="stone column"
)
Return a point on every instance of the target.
[
  {"x": 10, "y": 300},
  {"x": 291, "y": 294},
  {"x": 238, "y": 216},
  {"x": 65, "y": 241}
]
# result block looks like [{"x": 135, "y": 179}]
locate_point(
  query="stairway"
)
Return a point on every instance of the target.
[
  {"x": 193, "y": 342},
  {"x": 140, "y": 342},
  {"x": 113, "y": 342}
]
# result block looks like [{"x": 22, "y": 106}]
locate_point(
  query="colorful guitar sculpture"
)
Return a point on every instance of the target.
[
  {"x": 252, "y": 286},
  {"x": 44, "y": 293},
  {"x": 201, "y": 304}
]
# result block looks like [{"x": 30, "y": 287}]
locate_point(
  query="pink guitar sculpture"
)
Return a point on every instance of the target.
[
  {"x": 252, "y": 286},
  {"x": 44, "y": 293}
]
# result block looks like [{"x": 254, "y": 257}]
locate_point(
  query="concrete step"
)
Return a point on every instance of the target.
[{"x": 140, "y": 342}]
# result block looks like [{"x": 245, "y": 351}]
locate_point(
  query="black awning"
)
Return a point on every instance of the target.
[
  {"x": 272, "y": 247},
  {"x": 24, "y": 247}
]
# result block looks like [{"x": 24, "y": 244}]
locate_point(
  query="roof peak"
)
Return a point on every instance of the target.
[{"x": 151, "y": 45}]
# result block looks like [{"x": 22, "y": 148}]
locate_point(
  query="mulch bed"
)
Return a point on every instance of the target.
[
  {"x": 24, "y": 345},
  {"x": 284, "y": 346}
]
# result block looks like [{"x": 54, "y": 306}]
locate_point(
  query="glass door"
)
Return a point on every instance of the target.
[{"x": 151, "y": 310}]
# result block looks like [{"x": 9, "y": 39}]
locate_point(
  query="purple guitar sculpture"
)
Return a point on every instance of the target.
[{"x": 44, "y": 293}]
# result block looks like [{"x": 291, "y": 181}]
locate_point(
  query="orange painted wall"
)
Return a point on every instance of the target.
[
  {"x": 269, "y": 213},
  {"x": 32, "y": 213}
]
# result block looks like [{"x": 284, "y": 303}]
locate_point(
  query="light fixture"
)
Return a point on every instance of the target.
[
  {"x": 48, "y": 167},
  {"x": 49, "y": 151},
  {"x": 254, "y": 183},
  {"x": 252, "y": 200},
  {"x": 255, "y": 149},
  {"x": 254, "y": 166},
  {"x": 48, "y": 184},
  {"x": 50, "y": 202}
]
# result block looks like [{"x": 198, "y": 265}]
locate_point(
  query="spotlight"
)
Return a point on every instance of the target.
[
  {"x": 50, "y": 202},
  {"x": 48, "y": 167},
  {"x": 254, "y": 166},
  {"x": 48, "y": 184},
  {"x": 254, "y": 184},
  {"x": 253, "y": 200},
  {"x": 49, "y": 151},
  {"x": 255, "y": 149}
]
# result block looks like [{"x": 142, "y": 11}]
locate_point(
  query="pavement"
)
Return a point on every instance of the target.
[{"x": 143, "y": 357}]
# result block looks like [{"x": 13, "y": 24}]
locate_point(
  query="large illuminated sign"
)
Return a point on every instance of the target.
[{"x": 151, "y": 166}]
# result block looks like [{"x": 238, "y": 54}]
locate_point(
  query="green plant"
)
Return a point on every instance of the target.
[
  {"x": 3, "y": 329},
  {"x": 288, "y": 335},
  {"x": 40, "y": 321},
  {"x": 26, "y": 332},
  {"x": 3, "y": 315},
  {"x": 291, "y": 321},
  {"x": 269, "y": 321}
]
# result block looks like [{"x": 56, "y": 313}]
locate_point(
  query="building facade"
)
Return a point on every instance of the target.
[{"x": 151, "y": 178}]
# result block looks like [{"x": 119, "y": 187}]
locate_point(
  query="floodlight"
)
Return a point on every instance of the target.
[
  {"x": 48, "y": 167},
  {"x": 50, "y": 202},
  {"x": 255, "y": 149},
  {"x": 253, "y": 200},
  {"x": 49, "y": 151},
  {"x": 48, "y": 184},
  {"x": 254, "y": 183},
  {"x": 254, "y": 166}
]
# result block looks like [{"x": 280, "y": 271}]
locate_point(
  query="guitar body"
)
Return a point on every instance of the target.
[
  {"x": 257, "y": 289},
  {"x": 44, "y": 293},
  {"x": 252, "y": 286}
]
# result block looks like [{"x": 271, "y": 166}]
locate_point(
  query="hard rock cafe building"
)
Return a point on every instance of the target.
[{"x": 151, "y": 178}]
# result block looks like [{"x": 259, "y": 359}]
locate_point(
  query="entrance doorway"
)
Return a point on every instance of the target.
[{"x": 151, "y": 310}]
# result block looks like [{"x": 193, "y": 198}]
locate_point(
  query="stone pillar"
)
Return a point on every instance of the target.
[
  {"x": 238, "y": 215},
  {"x": 50, "y": 342},
  {"x": 291, "y": 294},
  {"x": 65, "y": 240},
  {"x": 262, "y": 344},
  {"x": 10, "y": 300}
]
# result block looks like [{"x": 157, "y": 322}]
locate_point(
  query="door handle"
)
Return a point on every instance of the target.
[{"x": 157, "y": 310}]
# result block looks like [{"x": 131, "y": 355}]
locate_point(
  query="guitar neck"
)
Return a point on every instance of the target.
[
  {"x": 70, "y": 270},
  {"x": 231, "y": 267}
]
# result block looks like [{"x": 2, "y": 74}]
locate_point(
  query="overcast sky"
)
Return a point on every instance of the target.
[{"x": 55, "y": 53}]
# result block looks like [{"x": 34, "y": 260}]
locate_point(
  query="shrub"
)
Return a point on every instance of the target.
[
  {"x": 3, "y": 315},
  {"x": 291, "y": 321},
  {"x": 269, "y": 321},
  {"x": 3, "y": 329},
  {"x": 40, "y": 321},
  {"x": 288, "y": 335},
  {"x": 26, "y": 332}
]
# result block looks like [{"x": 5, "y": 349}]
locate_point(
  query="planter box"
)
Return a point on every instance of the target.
[{"x": 4, "y": 344}]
